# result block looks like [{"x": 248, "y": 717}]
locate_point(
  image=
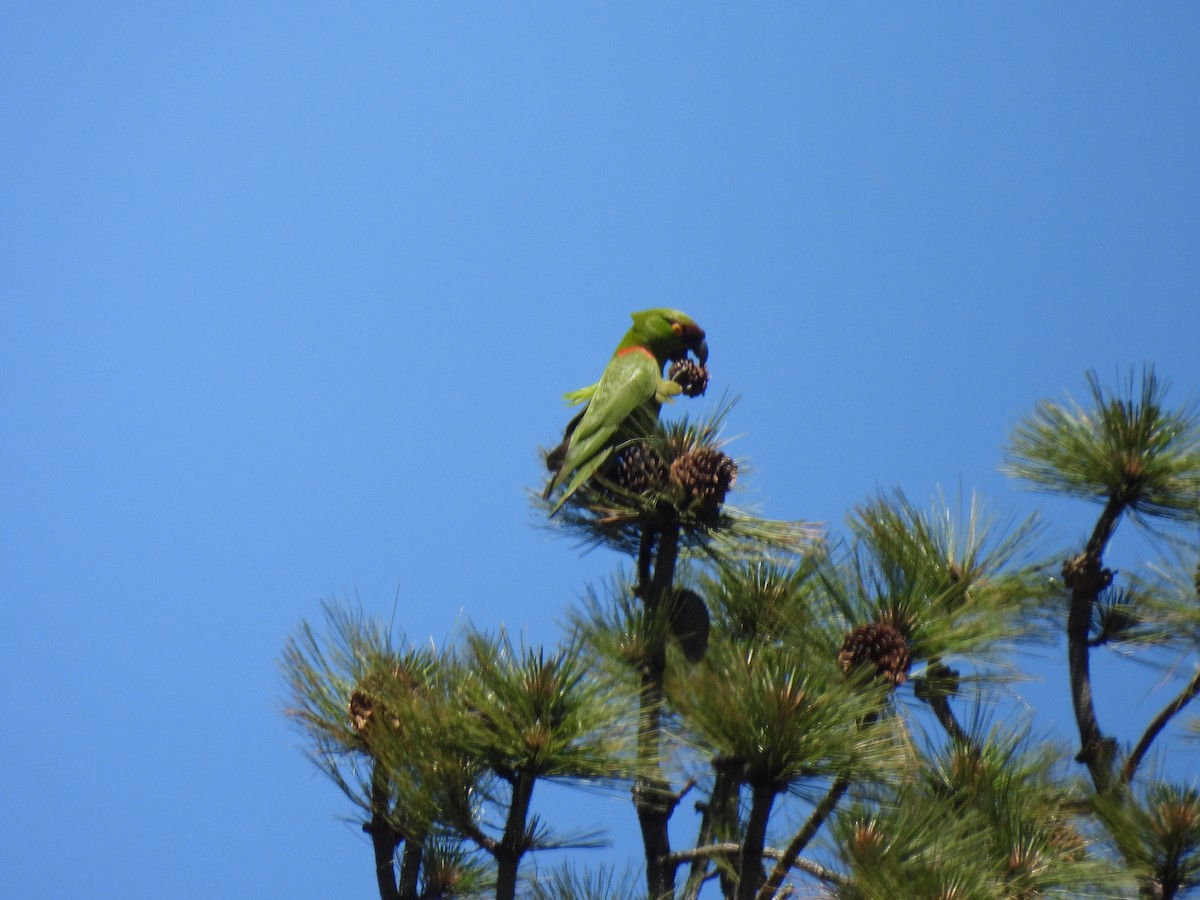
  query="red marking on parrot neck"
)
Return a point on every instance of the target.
[{"x": 638, "y": 349}]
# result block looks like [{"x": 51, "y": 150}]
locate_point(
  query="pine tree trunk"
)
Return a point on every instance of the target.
[
  {"x": 384, "y": 839},
  {"x": 651, "y": 793},
  {"x": 512, "y": 844},
  {"x": 750, "y": 869}
]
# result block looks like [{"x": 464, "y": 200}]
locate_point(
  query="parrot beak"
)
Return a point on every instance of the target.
[{"x": 691, "y": 337}]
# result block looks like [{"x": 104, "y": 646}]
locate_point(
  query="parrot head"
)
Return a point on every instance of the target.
[{"x": 667, "y": 333}]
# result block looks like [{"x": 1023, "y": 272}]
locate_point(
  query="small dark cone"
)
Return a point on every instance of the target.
[
  {"x": 689, "y": 623},
  {"x": 882, "y": 646},
  {"x": 1197, "y": 580},
  {"x": 689, "y": 375},
  {"x": 706, "y": 475},
  {"x": 361, "y": 707},
  {"x": 639, "y": 469}
]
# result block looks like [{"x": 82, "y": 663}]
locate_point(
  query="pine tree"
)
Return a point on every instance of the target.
[{"x": 828, "y": 703}]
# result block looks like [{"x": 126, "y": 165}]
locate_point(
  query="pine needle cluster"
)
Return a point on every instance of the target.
[
  {"x": 440, "y": 751},
  {"x": 1126, "y": 447}
]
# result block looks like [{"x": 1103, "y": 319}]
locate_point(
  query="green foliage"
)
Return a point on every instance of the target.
[
  {"x": 1165, "y": 604},
  {"x": 991, "y": 818},
  {"x": 770, "y": 671},
  {"x": 1157, "y": 832},
  {"x": 782, "y": 715},
  {"x": 762, "y": 601},
  {"x": 547, "y": 716},
  {"x": 569, "y": 883},
  {"x": 954, "y": 585},
  {"x": 1127, "y": 447},
  {"x": 359, "y": 698},
  {"x": 451, "y": 869},
  {"x": 434, "y": 746}
]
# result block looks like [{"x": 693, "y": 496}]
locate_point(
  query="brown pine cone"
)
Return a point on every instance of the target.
[{"x": 880, "y": 645}]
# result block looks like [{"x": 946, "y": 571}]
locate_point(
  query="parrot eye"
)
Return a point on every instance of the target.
[{"x": 676, "y": 328}]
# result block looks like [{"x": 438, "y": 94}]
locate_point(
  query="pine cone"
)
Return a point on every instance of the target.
[
  {"x": 706, "y": 475},
  {"x": 361, "y": 707},
  {"x": 689, "y": 375},
  {"x": 881, "y": 645},
  {"x": 639, "y": 469}
]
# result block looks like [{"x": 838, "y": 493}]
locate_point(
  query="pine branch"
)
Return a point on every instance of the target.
[
  {"x": 478, "y": 837},
  {"x": 1086, "y": 578},
  {"x": 1135, "y": 456},
  {"x": 802, "y": 837},
  {"x": 732, "y": 850},
  {"x": 750, "y": 870},
  {"x": 940, "y": 704},
  {"x": 719, "y": 819},
  {"x": 1157, "y": 724}
]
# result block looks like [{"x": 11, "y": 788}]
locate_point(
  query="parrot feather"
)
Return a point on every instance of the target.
[{"x": 632, "y": 380}]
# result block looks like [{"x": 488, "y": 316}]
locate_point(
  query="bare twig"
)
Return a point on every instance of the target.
[
  {"x": 731, "y": 850},
  {"x": 1157, "y": 724},
  {"x": 940, "y": 705}
]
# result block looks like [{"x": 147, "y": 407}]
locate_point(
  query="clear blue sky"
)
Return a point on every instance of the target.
[{"x": 290, "y": 292}]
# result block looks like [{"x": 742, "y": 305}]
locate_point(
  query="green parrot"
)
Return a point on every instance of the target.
[{"x": 632, "y": 380}]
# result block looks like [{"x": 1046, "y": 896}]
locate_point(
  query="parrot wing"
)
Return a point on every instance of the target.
[{"x": 632, "y": 378}]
